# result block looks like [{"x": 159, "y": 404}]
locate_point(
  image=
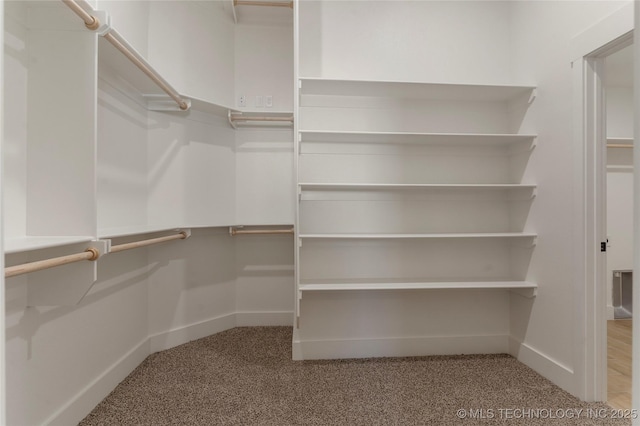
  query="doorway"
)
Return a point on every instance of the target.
[
  {"x": 617, "y": 82},
  {"x": 589, "y": 52}
]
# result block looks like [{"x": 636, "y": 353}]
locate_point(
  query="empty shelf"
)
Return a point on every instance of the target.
[
  {"x": 20, "y": 244},
  {"x": 401, "y": 236},
  {"x": 415, "y": 138},
  {"x": 346, "y": 285},
  {"x": 411, "y": 90},
  {"x": 378, "y": 186},
  {"x": 133, "y": 230}
]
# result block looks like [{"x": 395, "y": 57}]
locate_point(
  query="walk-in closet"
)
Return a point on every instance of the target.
[{"x": 364, "y": 181}]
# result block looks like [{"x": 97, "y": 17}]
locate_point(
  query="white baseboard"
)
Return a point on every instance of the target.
[
  {"x": 398, "y": 347},
  {"x": 546, "y": 366},
  {"x": 261, "y": 319},
  {"x": 178, "y": 336},
  {"x": 83, "y": 402}
]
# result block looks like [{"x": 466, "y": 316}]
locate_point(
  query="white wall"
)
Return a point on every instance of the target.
[
  {"x": 191, "y": 288},
  {"x": 14, "y": 152},
  {"x": 130, "y": 18},
  {"x": 264, "y": 65},
  {"x": 546, "y": 328},
  {"x": 440, "y": 41},
  {"x": 122, "y": 182},
  {"x": 619, "y": 111},
  {"x": 264, "y": 156},
  {"x": 191, "y": 170},
  {"x": 265, "y": 192},
  {"x": 265, "y": 283},
  {"x": 619, "y": 187}
]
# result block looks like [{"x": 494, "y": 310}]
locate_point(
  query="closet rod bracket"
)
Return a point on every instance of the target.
[{"x": 103, "y": 21}]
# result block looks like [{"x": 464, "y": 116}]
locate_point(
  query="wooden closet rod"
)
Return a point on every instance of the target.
[
  {"x": 263, "y": 3},
  {"x": 236, "y": 231},
  {"x": 119, "y": 43},
  {"x": 619, "y": 145},
  {"x": 90, "y": 21},
  {"x": 91, "y": 254},
  {"x": 143, "y": 243}
]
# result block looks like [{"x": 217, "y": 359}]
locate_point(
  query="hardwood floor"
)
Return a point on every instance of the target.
[{"x": 619, "y": 363}]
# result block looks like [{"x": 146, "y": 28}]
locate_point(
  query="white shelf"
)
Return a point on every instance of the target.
[
  {"x": 266, "y": 112},
  {"x": 257, "y": 121},
  {"x": 17, "y": 245},
  {"x": 628, "y": 141},
  {"x": 382, "y": 186},
  {"x": 209, "y": 107},
  {"x": 411, "y": 90},
  {"x": 418, "y": 236},
  {"x": 133, "y": 230},
  {"x": 335, "y": 285},
  {"x": 112, "y": 58},
  {"x": 130, "y": 78},
  {"x": 484, "y": 139}
]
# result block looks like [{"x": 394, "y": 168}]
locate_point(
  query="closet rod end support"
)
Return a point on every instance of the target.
[
  {"x": 95, "y": 253},
  {"x": 93, "y": 25}
]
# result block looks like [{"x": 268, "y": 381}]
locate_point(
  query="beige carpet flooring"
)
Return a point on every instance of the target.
[{"x": 245, "y": 376}]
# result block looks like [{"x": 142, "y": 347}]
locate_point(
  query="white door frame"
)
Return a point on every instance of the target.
[
  {"x": 588, "y": 52},
  {"x": 3, "y": 375},
  {"x": 635, "y": 379}
]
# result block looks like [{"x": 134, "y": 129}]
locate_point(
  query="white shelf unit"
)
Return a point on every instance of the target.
[
  {"x": 49, "y": 132},
  {"x": 412, "y": 186}
]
